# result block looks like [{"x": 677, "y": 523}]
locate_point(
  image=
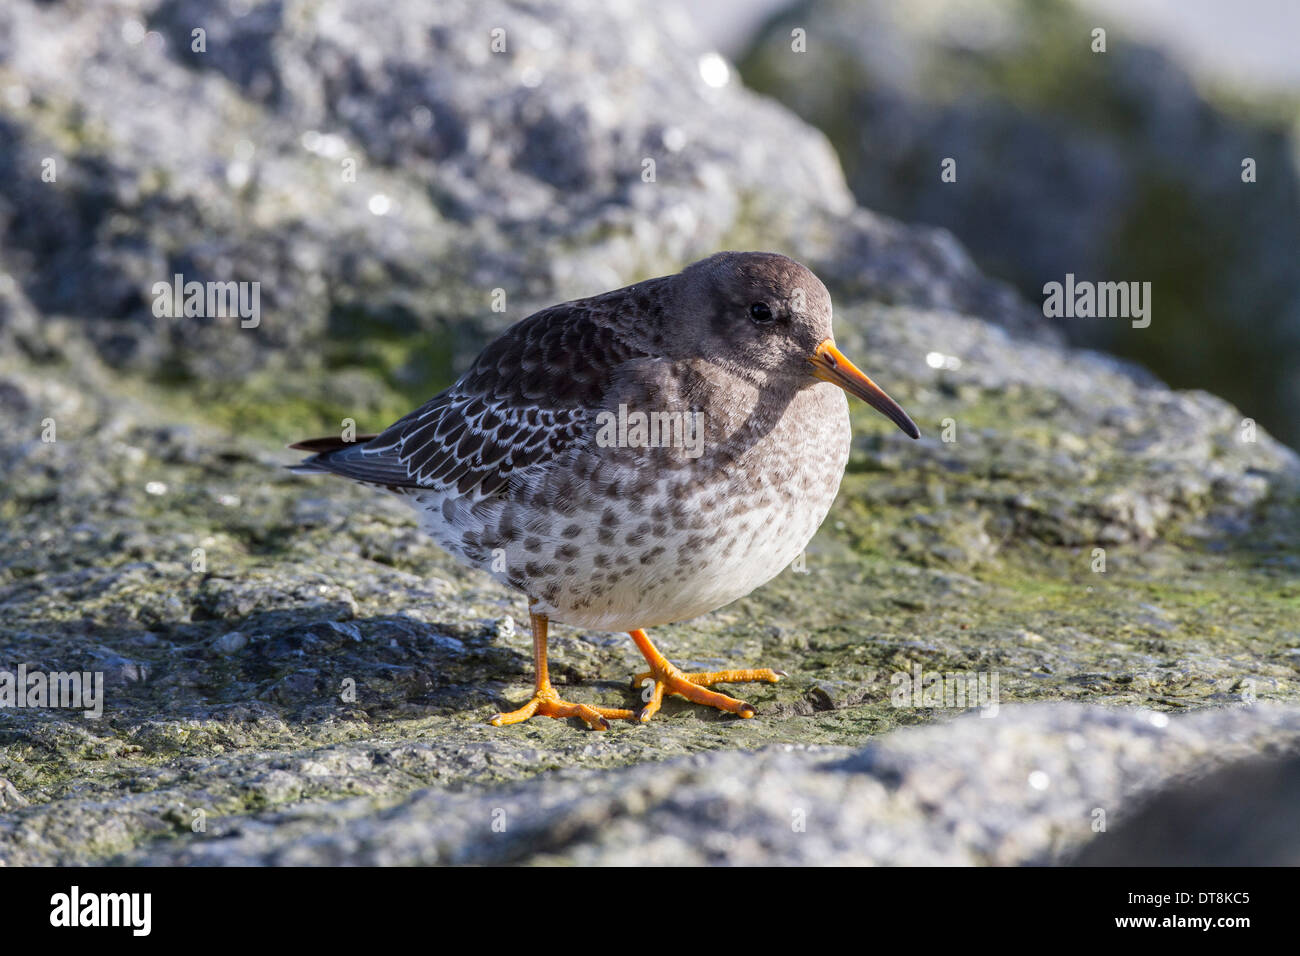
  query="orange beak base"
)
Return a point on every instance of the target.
[{"x": 830, "y": 365}]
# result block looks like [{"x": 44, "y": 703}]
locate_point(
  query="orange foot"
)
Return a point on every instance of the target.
[
  {"x": 668, "y": 679},
  {"x": 546, "y": 702}
]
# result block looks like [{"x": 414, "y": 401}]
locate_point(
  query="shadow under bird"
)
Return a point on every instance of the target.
[{"x": 635, "y": 458}]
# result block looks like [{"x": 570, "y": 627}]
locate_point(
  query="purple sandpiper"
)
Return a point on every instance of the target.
[{"x": 635, "y": 458}]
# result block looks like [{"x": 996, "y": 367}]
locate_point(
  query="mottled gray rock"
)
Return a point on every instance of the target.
[
  {"x": 1110, "y": 166},
  {"x": 1026, "y": 787}
]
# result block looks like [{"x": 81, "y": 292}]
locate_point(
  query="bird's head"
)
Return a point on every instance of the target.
[{"x": 769, "y": 317}]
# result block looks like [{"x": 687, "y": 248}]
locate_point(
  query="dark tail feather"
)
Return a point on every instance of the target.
[
  {"x": 318, "y": 446},
  {"x": 322, "y": 446}
]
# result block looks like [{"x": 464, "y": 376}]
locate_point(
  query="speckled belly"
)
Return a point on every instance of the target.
[{"x": 743, "y": 526}]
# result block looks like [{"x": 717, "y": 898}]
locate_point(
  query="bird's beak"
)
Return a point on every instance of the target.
[{"x": 830, "y": 365}]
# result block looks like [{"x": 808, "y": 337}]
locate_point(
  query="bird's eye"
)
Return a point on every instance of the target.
[{"x": 760, "y": 313}]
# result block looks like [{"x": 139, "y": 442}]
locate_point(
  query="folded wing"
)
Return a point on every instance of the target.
[{"x": 526, "y": 399}]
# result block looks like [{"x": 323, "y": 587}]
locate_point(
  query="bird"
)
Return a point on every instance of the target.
[{"x": 634, "y": 459}]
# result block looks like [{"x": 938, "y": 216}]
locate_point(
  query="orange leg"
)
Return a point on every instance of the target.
[
  {"x": 668, "y": 679},
  {"x": 546, "y": 702}
]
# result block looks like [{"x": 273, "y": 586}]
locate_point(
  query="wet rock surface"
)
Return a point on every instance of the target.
[{"x": 289, "y": 665}]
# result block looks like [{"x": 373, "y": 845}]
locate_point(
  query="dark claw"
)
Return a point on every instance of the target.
[{"x": 746, "y": 711}]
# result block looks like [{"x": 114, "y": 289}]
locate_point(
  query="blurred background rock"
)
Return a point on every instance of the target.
[{"x": 1117, "y": 166}]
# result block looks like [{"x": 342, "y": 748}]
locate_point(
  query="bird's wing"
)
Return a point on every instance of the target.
[{"x": 526, "y": 399}]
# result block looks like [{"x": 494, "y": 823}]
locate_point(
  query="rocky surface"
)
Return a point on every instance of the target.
[
  {"x": 1114, "y": 165},
  {"x": 1033, "y": 784},
  {"x": 290, "y": 665}
]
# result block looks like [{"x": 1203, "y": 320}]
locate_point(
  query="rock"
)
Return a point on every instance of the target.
[
  {"x": 1241, "y": 815},
  {"x": 230, "y": 643},
  {"x": 1108, "y": 166},
  {"x": 1028, "y": 787},
  {"x": 10, "y": 798}
]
